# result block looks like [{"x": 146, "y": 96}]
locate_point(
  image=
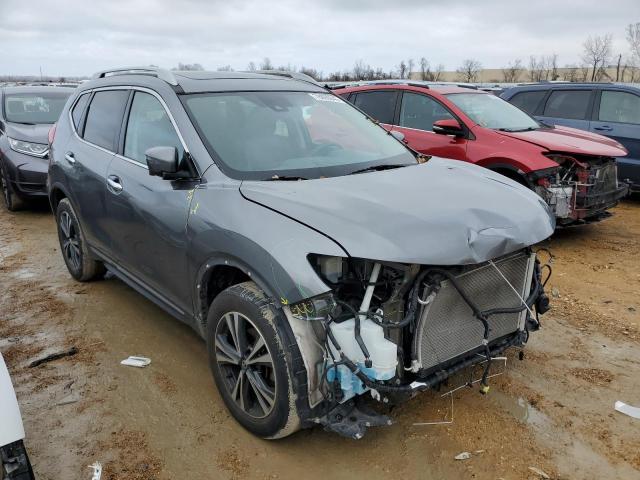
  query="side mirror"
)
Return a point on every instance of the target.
[
  {"x": 162, "y": 160},
  {"x": 450, "y": 126},
  {"x": 398, "y": 136}
]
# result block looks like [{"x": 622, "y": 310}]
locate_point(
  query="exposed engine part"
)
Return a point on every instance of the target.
[
  {"x": 395, "y": 330},
  {"x": 582, "y": 188}
]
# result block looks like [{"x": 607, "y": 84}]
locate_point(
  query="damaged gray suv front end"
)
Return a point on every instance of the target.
[{"x": 322, "y": 261}]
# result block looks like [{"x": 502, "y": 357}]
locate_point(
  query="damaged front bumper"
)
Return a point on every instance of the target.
[
  {"x": 581, "y": 192},
  {"x": 395, "y": 330}
]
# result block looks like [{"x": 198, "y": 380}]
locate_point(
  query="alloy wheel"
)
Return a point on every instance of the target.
[
  {"x": 70, "y": 240},
  {"x": 246, "y": 364}
]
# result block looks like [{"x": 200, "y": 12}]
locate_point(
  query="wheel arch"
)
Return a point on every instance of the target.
[{"x": 507, "y": 168}]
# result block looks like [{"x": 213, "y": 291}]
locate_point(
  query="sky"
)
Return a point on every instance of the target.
[{"x": 77, "y": 38}]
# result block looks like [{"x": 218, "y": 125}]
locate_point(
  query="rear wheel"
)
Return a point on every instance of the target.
[
  {"x": 11, "y": 200},
  {"x": 248, "y": 361},
  {"x": 15, "y": 462},
  {"x": 73, "y": 246}
]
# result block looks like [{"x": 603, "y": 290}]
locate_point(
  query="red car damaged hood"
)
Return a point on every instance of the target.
[{"x": 570, "y": 140}]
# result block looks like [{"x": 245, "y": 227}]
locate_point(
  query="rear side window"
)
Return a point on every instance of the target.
[
  {"x": 528, "y": 101},
  {"x": 572, "y": 104},
  {"x": 148, "y": 126},
  {"x": 78, "y": 110},
  {"x": 380, "y": 105},
  {"x": 104, "y": 118},
  {"x": 620, "y": 107},
  {"x": 420, "y": 111}
]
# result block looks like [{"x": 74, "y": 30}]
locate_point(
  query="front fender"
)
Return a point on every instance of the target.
[
  {"x": 224, "y": 228},
  {"x": 12, "y": 429}
]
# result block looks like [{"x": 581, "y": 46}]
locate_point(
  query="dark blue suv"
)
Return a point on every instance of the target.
[{"x": 609, "y": 109}]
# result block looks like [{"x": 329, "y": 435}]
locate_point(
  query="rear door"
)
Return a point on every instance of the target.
[
  {"x": 417, "y": 114},
  {"x": 617, "y": 115},
  {"x": 378, "y": 104},
  {"x": 148, "y": 215},
  {"x": 569, "y": 108},
  {"x": 88, "y": 156}
]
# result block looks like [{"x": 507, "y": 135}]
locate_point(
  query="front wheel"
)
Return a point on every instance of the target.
[
  {"x": 11, "y": 200},
  {"x": 248, "y": 361},
  {"x": 73, "y": 246}
]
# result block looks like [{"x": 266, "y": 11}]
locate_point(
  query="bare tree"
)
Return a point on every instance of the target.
[
  {"x": 312, "y": 72},
  {"x": 552, "y": 67},
  {"x": 266, "y": 64},
  {"x": 537, "y": 68},
  {"x": 252, "y": 67},
  {"x": 402, "y": 69},
  {"x": 189, "y": 66},
  {"x": 597, "y": 52},
  {"x": 410, "y": 65},
  {"x": 469, "y": 70},
  {"x": 570, "y": 73},
  {"x": 225, "y": 68},
  {"x": 511, "y": 73},
  {"x": 437, "y": 73},
  {"x": 633, "y": 37},
  {"x": 425, "y": 69}
]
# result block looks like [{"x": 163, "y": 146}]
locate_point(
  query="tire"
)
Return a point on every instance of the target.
[
  {"x": 259, "y": 394},
  {"x": 15, "y": 462},
  {"x": 73, "y": 246},
  {"x": 11, "y": 201}
]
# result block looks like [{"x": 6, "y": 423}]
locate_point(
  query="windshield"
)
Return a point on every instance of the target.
[
  {"x": 260, "y": 135},
  {"x": 493, "y": 112},
  {"x": 34, "y": 108}
]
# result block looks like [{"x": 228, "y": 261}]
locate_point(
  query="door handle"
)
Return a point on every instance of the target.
[
  {"x": 604, "y": 128},
  {"x": 69, "y": 157},
  {"x": 114, "y": 182}
]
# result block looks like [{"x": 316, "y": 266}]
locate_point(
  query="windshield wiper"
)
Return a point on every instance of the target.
[
  {"x": 527, "y": 129},
  {"x": 284, "y": 178},
  {"x": 377, "y": 168},
  {"x": 24, "y": 123}
]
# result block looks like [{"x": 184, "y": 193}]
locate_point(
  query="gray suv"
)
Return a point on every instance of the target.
[{"x": 319, "y": 258}]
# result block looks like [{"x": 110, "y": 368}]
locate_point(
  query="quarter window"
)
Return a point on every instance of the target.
[
  {"x": 571, "y": 104},
  {"x": 420, "y": 111},
  {"x": 528, "y": 101},
  {"x": 148, "y": 126},
  {"x": 78, "y": 110},
  {"x": 380, "y": 105},
  {"x": 104, "y": 118},
  {"x": 621, "y": 107}
]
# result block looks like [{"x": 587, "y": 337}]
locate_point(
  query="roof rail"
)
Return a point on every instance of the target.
[
  {"x": 284, "y": 73},
  {"x": 160, "y": 73},
  {"x": 411, "y": 83}
]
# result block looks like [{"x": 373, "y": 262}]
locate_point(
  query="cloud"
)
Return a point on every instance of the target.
[{"x": 75, "y": 37}]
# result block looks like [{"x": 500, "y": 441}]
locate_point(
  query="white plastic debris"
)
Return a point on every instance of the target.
[
  {"x": 539, "y": 472},
  {"x": 627, "y": 409},
  {"x": 97, "y": 471},
  {"x": 463, "y": 456},
  {"x": 139, "y": 362}
]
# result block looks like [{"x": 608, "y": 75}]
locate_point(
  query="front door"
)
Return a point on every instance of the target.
[
  {"x": 618, "y": 116},
  {"x": 418, "y": 112},
  {"x": 148, "y": 215}
]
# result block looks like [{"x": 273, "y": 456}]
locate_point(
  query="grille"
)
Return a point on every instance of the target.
[{"x": 447, "y": 328}]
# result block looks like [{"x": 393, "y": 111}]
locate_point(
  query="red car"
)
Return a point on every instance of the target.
[{"x": 573, "y": 170}]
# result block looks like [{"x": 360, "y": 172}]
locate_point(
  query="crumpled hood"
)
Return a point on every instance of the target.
[
  {"x": 29, "y": 133},
  {"x": 444, "y": 212},
  {"x": 570, "y": 140}
]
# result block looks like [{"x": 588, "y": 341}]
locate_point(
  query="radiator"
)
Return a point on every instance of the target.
[{"x": 446, "y": 326}]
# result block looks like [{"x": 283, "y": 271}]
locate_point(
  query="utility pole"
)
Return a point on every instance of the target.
[{"x": 40, "y": 72}]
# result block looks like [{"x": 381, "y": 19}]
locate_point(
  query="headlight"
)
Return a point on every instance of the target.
[
  {"x": 28, "y": 148},
  {"x": 316, "y": 308}
]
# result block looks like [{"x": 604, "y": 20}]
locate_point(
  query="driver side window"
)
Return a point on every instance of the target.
[
  {"x": 420, "y": 111},
  {"x": 148, "y": 126}
]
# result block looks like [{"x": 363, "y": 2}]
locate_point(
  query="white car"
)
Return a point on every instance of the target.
[{"x": 13, "y": 456}]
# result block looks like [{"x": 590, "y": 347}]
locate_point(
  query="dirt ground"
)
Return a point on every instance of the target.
[{"x": 553, "y": 411}]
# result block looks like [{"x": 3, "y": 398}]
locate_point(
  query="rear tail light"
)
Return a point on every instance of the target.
[{"x": 52, "y": 134}]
